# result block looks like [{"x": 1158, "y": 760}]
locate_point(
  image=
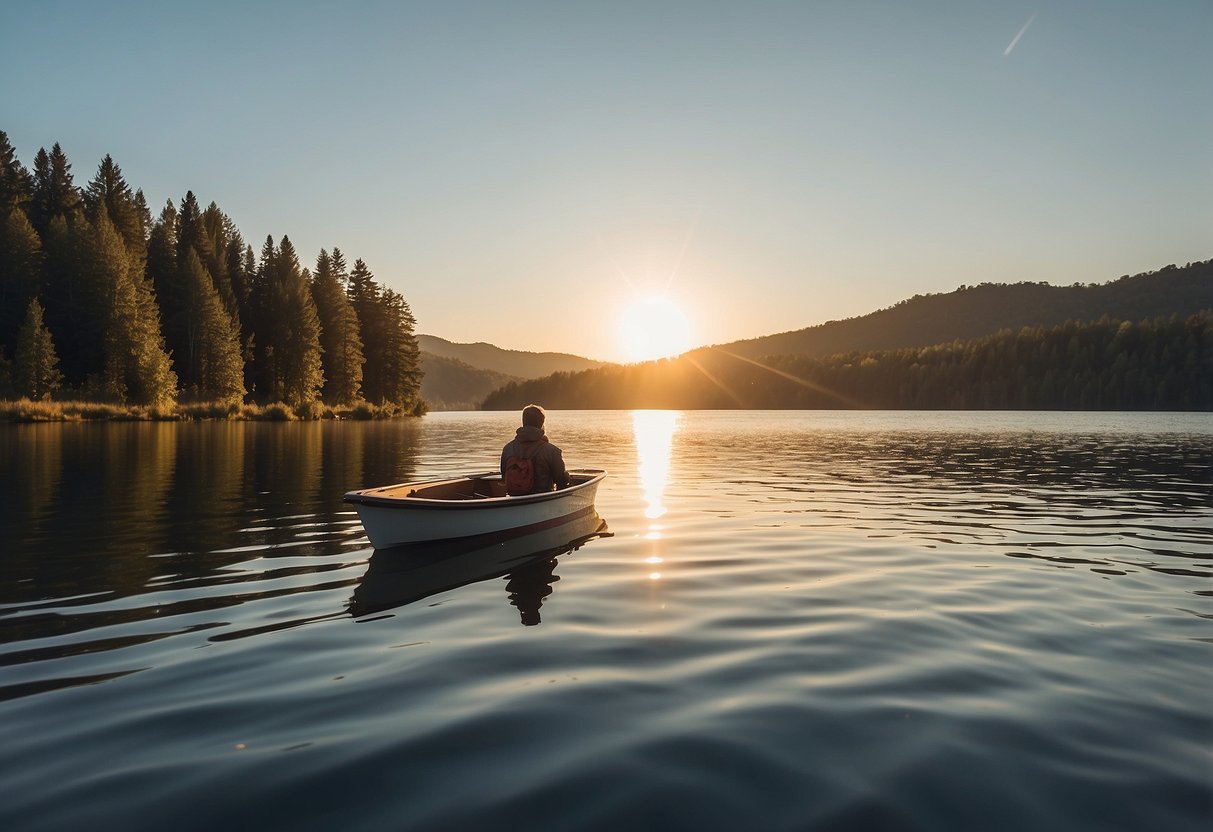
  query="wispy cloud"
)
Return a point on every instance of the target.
[{"x": 1015, "y": 39}]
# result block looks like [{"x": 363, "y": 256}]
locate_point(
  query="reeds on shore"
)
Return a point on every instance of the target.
[{"x": 25, "y": 410}]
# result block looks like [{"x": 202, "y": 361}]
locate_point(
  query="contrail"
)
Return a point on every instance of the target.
[{"x": 1015, "y": 39}]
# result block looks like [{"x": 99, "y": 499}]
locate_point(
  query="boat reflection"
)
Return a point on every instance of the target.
[{"x": 404, "y": 574}]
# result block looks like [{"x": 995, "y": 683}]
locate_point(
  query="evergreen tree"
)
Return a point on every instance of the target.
[
  {"x": 392, "y": 373},
  {"x": 303, "y": 374},
  {"x": 20, "y": 272},
  {"x": 244, "y": 281},
  {"x": 288, "y": 329},
  {"x": 210, "y": 367},
  {"x": 143, "y": 212},
  {"x": 261, "y": 371},
  {"x": 37, "y": 367},
  {"x": 201, "y": 334},
  {"x": 341, "y": 271},
  {"x": 363, "y": 293},
  {"x": 220, "y": 231},
  {"x": 136, "y": 368},
  {"x": 191, "y": 231},
  {"x": 401, "y": 355},
  {"x": 54, "y": 193},
  {"x": 66, "y": 300},
  {"x": 239, "y": 258},
  {"x": 16, "y": 185},
  {"x": 340, "y": 341},
  {"x": 108, "y": 188},
  {"x": 162, "y": 253}
]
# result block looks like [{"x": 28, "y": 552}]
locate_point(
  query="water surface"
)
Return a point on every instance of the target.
[{"x": 802, "y": 620}]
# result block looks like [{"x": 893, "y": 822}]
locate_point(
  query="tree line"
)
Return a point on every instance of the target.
[
  {"x": 100, "y": 300},
  {"x": 1155, "y": 364}
]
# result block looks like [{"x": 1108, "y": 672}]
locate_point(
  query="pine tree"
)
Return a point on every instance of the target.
[
  {"x": 54, "y": 193},
  {"x": 20, "y": 271},
  {"x": 303, "y": 375},
  {"x": 201, "y": 334},
  {"x": 342, "y": 357},
  {"x": 135, "y": 367},
  {"x": 37, "y": 370},
  {"x": 238, "y": 256},
  {"x": 402, "y": 356},
  {"x": 150, "y": 377},
  {"x": 392, "y": 373},
  {"x": 244, "y": 288},
  {"x": 66, "y": 300},
  {"x": 110, "y": 189},
  {"x": 143, "y": 212},
  {"x": 340, "y": 270},
  {"x": 191, "y": 232},
  {"x": 363, "y": 293},
  {"x": 16, "y": 185},
  {"x": 261, "y": 371},
  {"x": 288, "y": 329},
  {"x": 162, "y": 253},
  {"x": 220, "y": 231},
  {"x": 211, "y": 365}
]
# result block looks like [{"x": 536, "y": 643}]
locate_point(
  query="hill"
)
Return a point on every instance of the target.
[
  {"x": 510, "y": 362},
  {"x": 451, "y": 384},
  {"x": 459, "y": 376},
  {"x": 985, "y": 309}
]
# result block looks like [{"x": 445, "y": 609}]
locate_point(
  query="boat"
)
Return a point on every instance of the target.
[
  {"x": 401, "y": 575},
  {"x": 468, "y": 505}
]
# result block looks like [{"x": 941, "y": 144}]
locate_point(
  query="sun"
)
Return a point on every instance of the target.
[{"x": 654, "y": 327}]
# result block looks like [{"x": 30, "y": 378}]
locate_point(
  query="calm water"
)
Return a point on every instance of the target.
[{"x": 802, "y": 621}]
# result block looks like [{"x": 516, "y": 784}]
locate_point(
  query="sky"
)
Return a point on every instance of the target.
[{"x": 525, "y": 172}]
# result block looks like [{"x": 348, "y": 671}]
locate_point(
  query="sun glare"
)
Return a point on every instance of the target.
[{"x": 654, "y": 327}]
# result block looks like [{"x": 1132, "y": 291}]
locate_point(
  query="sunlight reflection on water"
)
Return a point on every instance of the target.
[{"x": 654, "y": 433}]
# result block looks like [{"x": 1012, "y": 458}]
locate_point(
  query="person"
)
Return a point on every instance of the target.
[{"x": 531, "y": 443}]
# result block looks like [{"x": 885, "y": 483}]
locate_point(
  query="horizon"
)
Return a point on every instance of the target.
[
  {"x": 764, "y": 169},
  {"x": 709, "y": 345}
]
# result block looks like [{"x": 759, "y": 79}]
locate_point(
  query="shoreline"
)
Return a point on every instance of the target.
[{"x": 25, "y": 411}]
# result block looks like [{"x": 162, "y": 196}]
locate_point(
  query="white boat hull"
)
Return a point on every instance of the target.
[{"x": 465, "y": 506}]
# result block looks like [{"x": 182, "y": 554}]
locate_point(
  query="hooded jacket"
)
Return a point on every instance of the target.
[{"x": 532, "y": 443}]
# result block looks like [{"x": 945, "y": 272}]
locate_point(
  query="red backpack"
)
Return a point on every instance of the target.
[{"x": 519, "y": 476}]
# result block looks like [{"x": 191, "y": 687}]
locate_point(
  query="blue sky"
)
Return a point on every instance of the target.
[{"x": 521, "y": 171}]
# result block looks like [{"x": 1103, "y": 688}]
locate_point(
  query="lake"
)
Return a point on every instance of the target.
[{"x": 800, "y": 620}]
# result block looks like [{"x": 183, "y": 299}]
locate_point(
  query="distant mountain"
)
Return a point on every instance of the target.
[
  {"x": 986, "y": 309},
  {"x": 459, "y": 376},
  {"x": 451, "y": 384},
  {"x": 511, "y": 362}
]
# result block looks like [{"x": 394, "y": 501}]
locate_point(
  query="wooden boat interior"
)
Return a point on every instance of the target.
[
  {"x": 463, "y": 488},
  {"x": 458, "y": 488}
]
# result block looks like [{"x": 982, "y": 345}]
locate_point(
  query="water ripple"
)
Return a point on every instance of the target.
[{"x": 826, "y": 621}]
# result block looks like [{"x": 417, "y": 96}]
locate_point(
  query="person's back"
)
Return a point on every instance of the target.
[{"x": 531, "y": 449}]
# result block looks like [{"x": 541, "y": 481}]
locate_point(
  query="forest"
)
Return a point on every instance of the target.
[
  {"x": 101, "y": 301},
  {"x": 1163, "y": 363}
]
